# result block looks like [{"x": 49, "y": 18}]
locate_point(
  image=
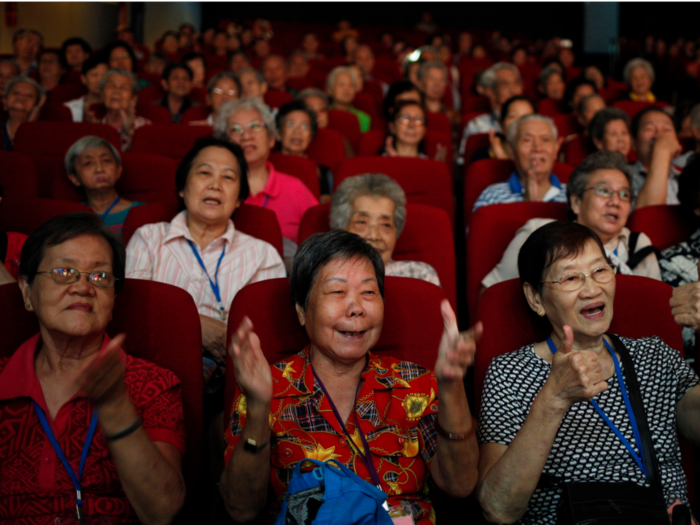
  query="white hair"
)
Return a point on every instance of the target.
[
  {"x": 634, "y": 64},
  {"x": 489, "y": 79},
  {"x": 514, "y": 128},
  {"x": 247, "y": 104},
  {"x": 330, "y": 80}
]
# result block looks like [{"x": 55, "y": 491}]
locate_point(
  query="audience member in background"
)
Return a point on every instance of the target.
[
  {"x": 120, "y": 55},
  {"x": 341, "y": 85},
  {"x": 187, "y": 35},
  {"x": 298, "y": 64},
  {"x": 499, "y": 83},
  {"x": 93, "y": 69},
  {"x": 196, "y": 63},
  {"x": 274, "y": 69},
  {"x": 610, "y": 131},
  {"x": 374, "y": 207},
  {"x": 587, "y": 108},
  {"x": 599, "y": 196},
  {"x": 220, "y": 43},
  {"x": 639, "y": 76},
  {"x": 310, "y": 45},
  {"x": 201, "y": 245},
  {"x": 26, "y": 44},
  {"x": 407, "y": 133},
  {"x": 126, "y": 34},
  {"x": 398, "y": 92},
  {"x": 10, "y": 250},
  {"x": 177, "y": 84},
  {"x": 94, "y": 166},
  {"x": 250, "y": 124},
  {"x": 170, "y": 45},
  {"x": 693, "y": 123},
  {"x": 535, "y": 143},
  {"x": 297, "y": 128},
  {"x": 432, "y": 76},
  {"x": 239, "y": 61},
  {"x": 364, "y": 58},
  {"x": 594, "y": 74},
  {"x": 156, "y": 63},
  {"x": 8, "y": 70},
  {"x": 317, "y": 101},
  {"x": 514, "y": 108},
  {"x": 74, "y": 52},
  {"x": 261, "y": 49},
  {"x": 223, "y": 87},
  {"x": 552, "y": 83},
  {"x": 576, "y": 89},
  {"x": 659, "y": 163},
  {"x": 50, "y": 68},
  {"x": 24, "y": 99},
  {"x": 253, "y": 84},
  {"x": 119, "y": 95}
]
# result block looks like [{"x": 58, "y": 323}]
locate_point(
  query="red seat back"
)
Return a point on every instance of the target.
[
  {"x": 327, "y": 148},
  {"x": 665, "y": 225},
  {"x": 475, "y": 142},
  {"x": 195, "y": 113},
  {"x": 438, "y": 121},
  {"x": 577, "y": 149},
  {"x": 56, "y": 113},
  {"x": 276, "y": 98},
  {"x": 476, "y": 104},
  {"x": 18, "y": 175},
  {"x": 550, "y": 107},
  {"x": 26, "y": 215},
  {"x": 55, "y": 138},
  {"x": 171, "y": 140},
  {"x": 371, "y": 143},
  {"x": 632, "y": 107},
  {"x": 300, "y": 167},
  {"x": 365, "y": 102},
  {"x": 566, "y": 125},
  {"x": 65, "y": 92},
  {"x": 151, "y": 94},
  {"x": 424, "y": 181},
  {"x": 347, "y": 124},
  {"x": 155, "y": 113}
]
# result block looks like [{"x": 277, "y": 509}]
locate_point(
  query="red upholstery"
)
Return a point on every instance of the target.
[
  {"x": 412, "y": 322},
  {"x": 327, "y": 148},
  {"x": 347, "y": 124},
  {"x": 371, "y": 143},
  {"x": 365, "y": 102},
  {"x": 162, "y": 326},
  {"x": 155, "y": 113},
  {"x": 490, "y": 231},
  {"x": 299, "y": 83},
  {"x": 65, "y": 92},
  {"x": 475, "y": 104},
  {"x": 427, "y": 237},
  {"x": 475, "y": 142},
  {"x": 632, "y": 107},
  {"x": 425, "y": 181},
  {"x": 577, "y": 149},
  {"x": 300, "y": 167},
  {"x": 566, "y": 125},
  {"x": 276, "y": 98},
  {"x": 373, "y": 88},
  {"x": 18, "y": 175},
  {"x": 56, "y": 113},
  {"x": 664, "y": 224},
  {"x": 171, "y": 140},
  {"x": 55, "y": 138},
  {"x": 438, "y": 121},
  {"x": 195, "y": 113},
  {"x": 483, "y": 173},
  {"x": 550, "y": 107},
  {"x": 15, "y": 213},
  {"x": 253, "y": 220},
  {"x": 151, "y": 94},
  {"x": 216, "y": 61}
]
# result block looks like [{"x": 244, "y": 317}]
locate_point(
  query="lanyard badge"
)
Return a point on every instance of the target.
[{"x": 215, "y": 283}]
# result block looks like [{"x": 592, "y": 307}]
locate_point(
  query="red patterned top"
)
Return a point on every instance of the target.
[
  {"x": 397, "y": 408},
  {"x": 34, "y": 485}
]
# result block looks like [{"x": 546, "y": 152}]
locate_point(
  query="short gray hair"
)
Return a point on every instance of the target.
[
  {"x": 635, "y": 63},
  {"x": 245, "y": 104},
  {"x": 313, "y": 92},
  {"x": 257, "y": 73},
  {"x": 514, "y": 127},
  {"x": 431, "y": 64},
  {"x": 84, "y": 144},
  {"x": 373, "y": 185},
  {"x": 548, "y": 72},
  {"x": 489, "y": 79},
  {"x": 219, "y": 76},
  {"x": 330, "y": 80},
  {"x": 26, "y": 80},
  {"x": 124, "y": 73}
]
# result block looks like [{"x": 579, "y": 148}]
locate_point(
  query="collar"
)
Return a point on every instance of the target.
[
  {"x": 178, "y": 229},
  {"x": 649, "y": 98},
  {"x": 517, "y": 187},
  {"x": 272, "y": 186}
]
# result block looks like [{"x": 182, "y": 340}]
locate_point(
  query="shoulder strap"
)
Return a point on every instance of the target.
[
  {"x": 639, "y": 413},
  {"x": 632, "y": 244},
  {"x": 637, "y": 257}
]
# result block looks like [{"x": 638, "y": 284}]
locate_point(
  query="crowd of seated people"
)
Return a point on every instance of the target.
[{"x": 238, "y": 108}]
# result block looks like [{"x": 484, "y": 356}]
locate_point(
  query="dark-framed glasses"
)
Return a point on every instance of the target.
[
  {"x": 605, "y": 191},
  {"x": 574, "y": 281},
  {"x": 71, "y": 275}
]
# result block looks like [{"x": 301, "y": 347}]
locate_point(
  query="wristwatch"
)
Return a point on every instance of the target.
[{"x": 251, "y": 446}]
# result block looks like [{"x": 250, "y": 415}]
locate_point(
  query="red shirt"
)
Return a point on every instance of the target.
[
  {"x": 15, "y": 241},
  {"x": 34, "y": 485}
]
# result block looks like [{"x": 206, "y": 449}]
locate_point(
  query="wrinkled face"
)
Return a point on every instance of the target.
[
  {"x": 275, "y": 73},
  {"x": 50, "y": 66},
  {"x": 409, "y": 125},
  {"x": 178, "y": 83},
  {"x": 252, "y": 87},
  {"x": 212, "y": 187},
  {"x": 343, "y": 89},
  {"x": 345, "y": 311},
  {"x": 365, "y": 59},
  {"x": 96, "y": 169},
  {"x": 75, "y": 56},
  {"x": 434, "y": 83},
  {"x": 318, "y": 106},
  {"x": 508, "y": 84},
  {"x": 554, "y": 87},
  {"x": 77, "y": 309},
  {"x": 170, "y": 45},
  {"x": 256, "y": 143},
  {"x": 652, "y": 125},
  {"x": 616, "y": 138},
  {"x": 640, "y": 81},
  {"x": 93, "y": 78},
  {"x": 295, "y": 133},
  {"x": 198, "y": 71},
  {"x": 28, "y": 46},
  {"x": 517, "y": 109},
  {"x": 535, "y": 148},
  {"x": 119, "y": 59},
  {"x": 21, "y": 98},
  {"x": 224, "y": 90},
  {"x": 118, "y": 93},
  {"x": 605, "y": 216},
  {"x": 372, "y": 218}
]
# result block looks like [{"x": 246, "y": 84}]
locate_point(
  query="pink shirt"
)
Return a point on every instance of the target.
[
  {"x": 160, "y": 252},
  {"x": 288, "y": 197}
]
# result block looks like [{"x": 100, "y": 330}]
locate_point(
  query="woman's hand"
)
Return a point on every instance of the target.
[
  {"x": 251, "y": 368},
  {"x": 102, "y": 380},
  {"x": 456, "y": 351},
  {"x": 441, "y": 153},
  {"x": 496, "y": 145},
  {"x": 389, "y": 147},
  {"x": 214, "y": 337},
  {"x": 128, "y": 115},
  {"x": 34, "y": 115}
]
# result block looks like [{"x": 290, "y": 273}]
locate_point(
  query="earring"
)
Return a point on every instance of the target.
[
  {"x": 28, "y": 306},
  {"x": 541, "y": 313}
]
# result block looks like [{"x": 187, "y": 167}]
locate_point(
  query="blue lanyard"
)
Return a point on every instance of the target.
[
  {"x": 628, "y": 406},
  {"x": 86, "y": 447},
  {"x": 267, "y": 199},
  {"x": 116, "y": 201},
  {"x": 215, "y": 283}
]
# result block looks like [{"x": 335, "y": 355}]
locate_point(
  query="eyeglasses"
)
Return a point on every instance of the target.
[
  {"x": 293, "y": 125},
  {"x": 71, "y": 275},
  {"x": 229, "y": 92},
  {"x": 254, "y": 127},
  {"x": 572, "y": 282},
  {"x": 407, "y": 119},
  {"x": 607, "y": 192}
]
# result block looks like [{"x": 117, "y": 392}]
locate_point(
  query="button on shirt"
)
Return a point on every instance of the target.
[
  {"x": 160, "y": 252},
  {"x": 514, "y": 191}
]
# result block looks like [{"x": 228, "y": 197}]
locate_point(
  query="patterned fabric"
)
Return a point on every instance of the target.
[
  {"x": 397, "y": 407},
  {"x": 514, "y": 191},
  {"x": 639, "y": 176},
  {"x": 585, "y": 448},
  {"x": 139, "y": 122},
  {"x": 481, "y": 124},
  {"x": 34, "y": 485},
  {"x": 115, "y": 221},
  {"x": 679, "y": 266},
  {"x": 413, "y": 269}
]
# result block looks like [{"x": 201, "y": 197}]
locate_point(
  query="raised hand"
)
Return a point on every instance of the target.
[
  {"x": 497, "y": 145},
  {"x": 251, "y": 368},
  {"x": 389, "y": 147},
  {"x": 34, "y": 115},
  {"x": 533, "y": 189},
  {"x": 441, "y": 153},
  {"x": 456, "y": 351},
  {"x": 102, "y": 380},
  {"x": 685, "y": 304},
  {"x": 667, "y": 143}
]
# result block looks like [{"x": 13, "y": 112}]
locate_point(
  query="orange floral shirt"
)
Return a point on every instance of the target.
[{"x": 397, "y": 408}]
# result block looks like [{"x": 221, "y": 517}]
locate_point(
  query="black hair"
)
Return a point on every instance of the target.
[
  {"x": 637, "y": 119},
  {"x": 63, "y": 228},
  {"x": 120, "y": 43},
  {"x": 320, "y": 249},
  {"x": 597, "y": 125},
  {"x": 506, "y": 106},
  {"x": 172, "y": 66},
  {"x": 52, "y": 51},
  {"x": 554, "y": 60},
  {"x": 571, "y": 88},
  {"x": 394, "y": 113},
  {"x": 93, "y": 61},
  {"x": 689, "y": 189},
  {"x": 296, "y": 105},
  {"x": 396, "y": 89},
  {"x": 74, "y": 41},
  {"x": 183, "y": 170},
  {"x": 549, "y": 243},
  {"x": 192, "y": 55}
]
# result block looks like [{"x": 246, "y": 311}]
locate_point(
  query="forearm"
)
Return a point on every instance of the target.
[
  {"x": 656, "y": 184},
  {"x": 244, "y": 482},
  {"x": 688, "y": 416}
]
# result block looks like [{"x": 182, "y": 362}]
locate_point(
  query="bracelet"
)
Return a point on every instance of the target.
[
  {"x": 123, "y": 433},
  {"x": 454, "y": 437}
]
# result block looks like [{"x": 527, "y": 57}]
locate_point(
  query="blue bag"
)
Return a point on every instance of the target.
[{"x": 332, "y": 496}]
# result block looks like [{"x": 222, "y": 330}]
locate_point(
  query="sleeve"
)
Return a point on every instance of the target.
[
  {"x": 271, "y": 266},
  {"x": 236, "y": 423},
  {"x": 139, "y": 260},
  {"x": 501, "y": 415},
  {"x": 677, "y": 265},
  {"x": 431, "y": 275},
  {"x": 649, "y": 266},
  {"x": 483, "y": 200},
  {"x": 468, "y": 130},
  {"x": 684, "y": 376},
  {"x": 508, "y": 267},
  {"x": 426, "y": 425}
]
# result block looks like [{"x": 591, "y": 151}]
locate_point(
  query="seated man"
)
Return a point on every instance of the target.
[
  {"x": 26, "y": 44},
  {"x": 274, "y": 69},
  {"x": 177, "y": 83},
  {"x": 374, "y": 207},
  {"x": 341, "y": 85},
  {"x": 298, "y": 64},
  {"x": 253, "y": 83},
  {"x": 50, "y": 68},
  {"x": 610, "y": 130},
  {"x": 432, "y": 77},
  {"x": 364, "y": 57},
  {"x": 535, "y": 143},
  {"x": 499, "y": 83},
  {"x": 639, "y": 76},
  {"x": 659, "y": 163},
  {"x": 74, "y": 52},
  {"x": 195, "y": 61},
  {"x": 238, "y": 62}
]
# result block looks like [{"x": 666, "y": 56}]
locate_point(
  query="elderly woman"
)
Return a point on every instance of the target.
[
  {"x": 317, "y": 101},
  {"x": 94, "y": 165},
  {"x": 552, "y": 83},
  {"x": 249, "y": 124},
  {"x": 512, "y": 109},
  {"x": 406, "y": 131},
  {"x": 639, "y": 76},
  {"x": 610, "y": 130},
  {"x": 223, "y": 87},
  {"x": 200, "y": 250},
  {"x": 23, "y": 101},
  {"x": 60, "y": 383},
  {"x": 536, "y": 422},
  {"x": 338, "y": 290},
  {"x": 600, "y": 197},
  {"x": 341, "y": 86},
  {"x": 119, "y": 95},
  {"x": 374, "y": 207}
]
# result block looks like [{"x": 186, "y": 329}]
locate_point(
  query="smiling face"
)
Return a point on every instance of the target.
[
  {"x": 119, "y": 58},
  {"x": 251, "y": 85},
  {"x": 345, "y": 311},
  {"x": 22, "y": 98},
  {"x": 343, "y": 89},
  {"x": 409, "y": 125},
  {"x": 535, "y": 149},
  {"x": 224, "y": 90},
  {"x": 256, "y": 143},
  {"x": 118, "y": 93},
  {"x": 76, "y": 55},
  {"x": 554, "y": 87},
  {"x": 640, "y": 81},
  {"x": 50, "y": 66},
  {"x": 178, "y": 83},
  {"x": 77, "y": 309},
  {"x": 295, "y": 133},
  {"x": 616, "y": 137},
  {"x": 93, "y": 78},
  {"x": 96, "y": 169},
  {"x": 275, "y": 72},
  {"x": 372, "y": 218},
  {"x": 517, "y": 109}
]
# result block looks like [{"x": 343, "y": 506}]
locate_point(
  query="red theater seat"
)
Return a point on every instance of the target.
[
  {"x": 475, "y": 142},
  {"x": 550, "y": 107},
  {"x": 300, "y": 167},
  {"x": 155, "y": 113},
  {"x": 566, "y": 125},
  {"x": 347, "y": 124},
  {"x": 665, "y": 225},
  {"x": 171, "y": 140},
  {"x": 65, "y": 92},
  {"x": 327, "y": 148},
  {"x": 55, "y": 138},
  {"x": 26, "y": 215},
  {"x": 56, "y": 113},
  {"x": 195, "y": 113},
  {"x": 577, "y": 149},
  {"x": 438, "y": 121},
  {"x": 632, "y": 107},
  {"x": 18, "y": 175},
  {"x": 276, "y": 98}
]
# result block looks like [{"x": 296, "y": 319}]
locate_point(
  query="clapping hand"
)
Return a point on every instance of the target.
[
  {"x": 685, "y": 304},
  {"x": 456, "y": 351},
  {"x": 251, "y": 368},
  {"x": 102, "y": 380}
]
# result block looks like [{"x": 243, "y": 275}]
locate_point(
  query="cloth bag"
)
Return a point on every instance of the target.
[{"x": 332, "y": 494}]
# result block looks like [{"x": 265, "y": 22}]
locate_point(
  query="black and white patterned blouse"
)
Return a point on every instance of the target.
[{"x": 585, "y": 448}]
